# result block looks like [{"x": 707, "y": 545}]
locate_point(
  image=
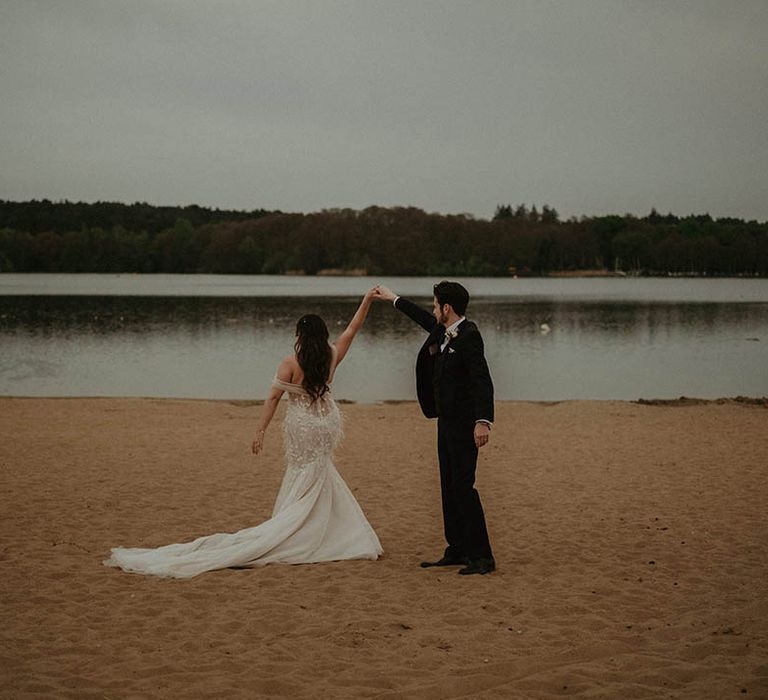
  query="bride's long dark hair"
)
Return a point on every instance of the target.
[{"x": 313, "y": 354}]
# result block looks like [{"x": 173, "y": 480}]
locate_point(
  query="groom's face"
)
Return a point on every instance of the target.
[{"x": 440, "y": 312}]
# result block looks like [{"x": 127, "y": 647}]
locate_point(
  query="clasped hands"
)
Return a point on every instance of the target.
[{"x": 381, "y": 292}]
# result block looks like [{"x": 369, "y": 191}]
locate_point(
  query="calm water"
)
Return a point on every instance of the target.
[{"x": 222, "y": 336}]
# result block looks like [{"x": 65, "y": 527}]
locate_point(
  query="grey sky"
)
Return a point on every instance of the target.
[{"x": 590, "y": 106}]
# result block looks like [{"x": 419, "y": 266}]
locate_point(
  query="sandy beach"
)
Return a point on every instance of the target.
[{"x": 630, "y": 541}]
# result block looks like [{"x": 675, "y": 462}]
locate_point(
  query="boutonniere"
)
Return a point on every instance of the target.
[{"x": 451, "y": 334}]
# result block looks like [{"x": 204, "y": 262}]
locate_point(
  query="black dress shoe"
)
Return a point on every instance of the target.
[
  {"x": 445, "y": 561},
  {"x": 479, "y": 566}
]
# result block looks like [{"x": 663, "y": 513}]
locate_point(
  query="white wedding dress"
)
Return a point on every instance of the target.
[{"x": 315, "y": 518}]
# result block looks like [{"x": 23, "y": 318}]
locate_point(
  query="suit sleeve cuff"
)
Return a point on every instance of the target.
[
  {"x": 484, "y": 420},
  {"x": 394, "y": 301}
]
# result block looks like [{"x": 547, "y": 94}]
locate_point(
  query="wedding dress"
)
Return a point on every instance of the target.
[{"x": 315, "y": 517}]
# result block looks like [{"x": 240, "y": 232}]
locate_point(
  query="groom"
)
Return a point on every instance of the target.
[{"x": 454, "y": 385}]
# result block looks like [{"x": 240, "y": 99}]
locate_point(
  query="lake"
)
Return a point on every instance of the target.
[{"x": 221, "y": 336}]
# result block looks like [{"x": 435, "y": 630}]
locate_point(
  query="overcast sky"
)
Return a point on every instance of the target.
[{"x": 591, "y": 106}]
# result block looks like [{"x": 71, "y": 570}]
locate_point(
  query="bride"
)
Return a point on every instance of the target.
[{"x": 315, "y": 517}]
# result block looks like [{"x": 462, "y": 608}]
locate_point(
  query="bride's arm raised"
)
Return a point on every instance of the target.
[
  {"x": 284, "y": 374},
  {"x": 345, "y": 339}
]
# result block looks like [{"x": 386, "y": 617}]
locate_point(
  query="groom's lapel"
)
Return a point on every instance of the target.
[
  {"x": 435, "y": 340},
  {"x": 453, "y": 340},
  {"x": 441, "y": 354},
  {"x": 440, "y": 359},
  {"x": 453, "y": 343}
]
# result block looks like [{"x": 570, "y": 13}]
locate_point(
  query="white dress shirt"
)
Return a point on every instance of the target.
[{"x": 450, "y": 328}]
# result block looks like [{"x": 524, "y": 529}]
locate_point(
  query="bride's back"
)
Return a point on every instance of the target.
[{"x": 297, "y": 373}]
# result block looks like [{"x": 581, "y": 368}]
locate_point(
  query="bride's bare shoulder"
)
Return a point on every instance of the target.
[{"x": 287, "y": 368}]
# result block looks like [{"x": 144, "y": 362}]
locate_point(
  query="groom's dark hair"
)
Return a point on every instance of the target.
[{"x": 452, "y": 293}]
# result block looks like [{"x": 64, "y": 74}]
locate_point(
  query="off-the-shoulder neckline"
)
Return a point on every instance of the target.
[
  {"x": 334, "y": 350},
  {"x": 282, "y": 381}
]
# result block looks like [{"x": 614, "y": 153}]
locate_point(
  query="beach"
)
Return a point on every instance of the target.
[{"x": 630, "y": 541}]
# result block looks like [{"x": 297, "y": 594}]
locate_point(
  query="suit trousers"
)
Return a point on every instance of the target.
[{"x": 463, "y": 517}]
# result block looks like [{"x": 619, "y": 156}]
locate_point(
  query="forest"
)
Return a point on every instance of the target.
[{"x": 45, "y": 236}]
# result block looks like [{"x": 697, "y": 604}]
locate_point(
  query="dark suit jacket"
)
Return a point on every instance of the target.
[{"x": 455, "y": 383}]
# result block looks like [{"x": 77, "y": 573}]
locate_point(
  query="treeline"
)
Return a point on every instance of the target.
[
  {"x": 40, "y": 216},
  {"x": 110, "y": 237}
]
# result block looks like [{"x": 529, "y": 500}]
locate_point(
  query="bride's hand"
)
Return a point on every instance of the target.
[
  {"x": 385, "y": 293},
  {"x": 258, "y": 442}
]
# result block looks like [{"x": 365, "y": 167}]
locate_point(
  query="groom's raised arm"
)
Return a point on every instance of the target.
[{"x": 425, "y": 319}]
